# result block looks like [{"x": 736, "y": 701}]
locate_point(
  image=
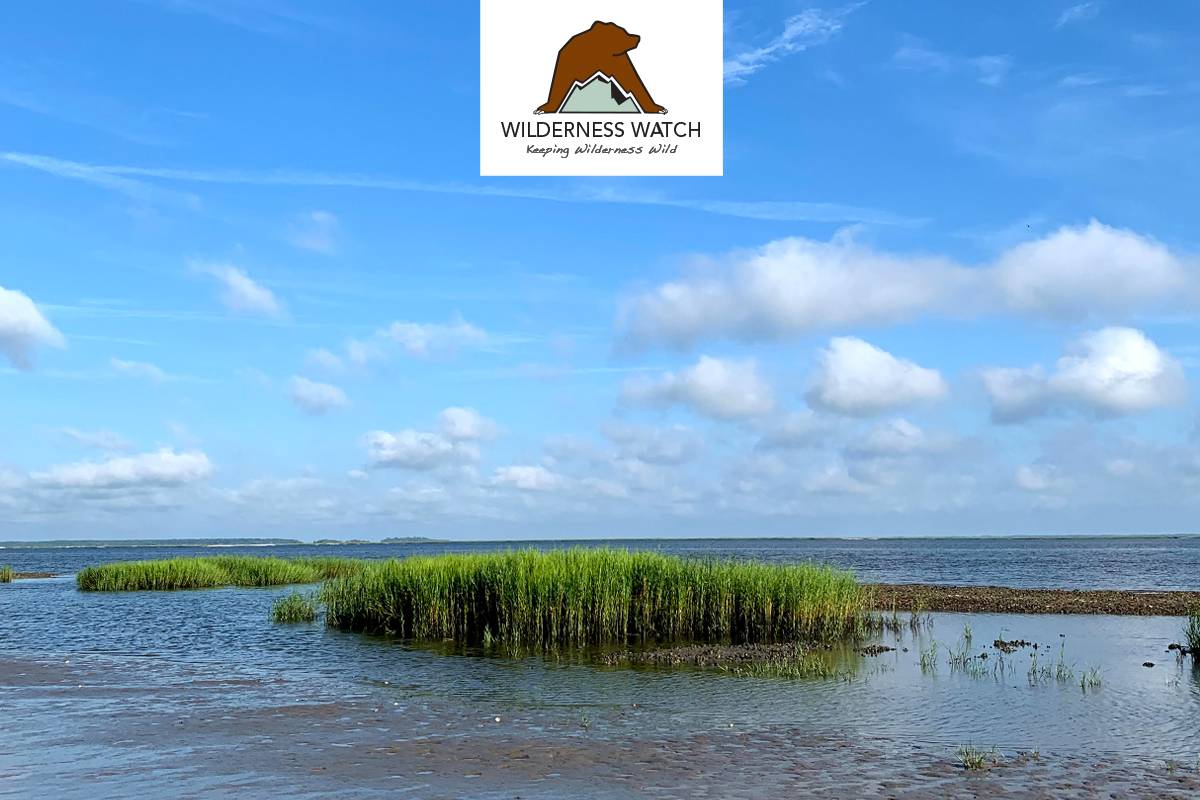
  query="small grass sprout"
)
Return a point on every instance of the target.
[{"x": 976, "y": 758}]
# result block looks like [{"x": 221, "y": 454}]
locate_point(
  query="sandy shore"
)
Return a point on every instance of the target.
[{"x": 1003, "y": 600}]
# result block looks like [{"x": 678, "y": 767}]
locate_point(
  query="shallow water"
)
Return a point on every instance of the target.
[{"x": 196, "y": 657}]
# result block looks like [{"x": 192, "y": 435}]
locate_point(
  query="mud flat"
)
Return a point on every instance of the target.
[
  {"x": 706, "y": 655},
  {"x": 1004, "y": 600}
]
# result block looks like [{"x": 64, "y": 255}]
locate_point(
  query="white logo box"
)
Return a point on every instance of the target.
[{"x": 598, "y": 126}]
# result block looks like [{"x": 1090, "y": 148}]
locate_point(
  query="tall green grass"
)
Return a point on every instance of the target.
[
  {"x": 295, "y": 607},
  {"x": 586, "y": 596},
  {"x": 1191, "y": 635},
  {"x": 206, "y": 572},
  {"x": 6, "y": 574}
]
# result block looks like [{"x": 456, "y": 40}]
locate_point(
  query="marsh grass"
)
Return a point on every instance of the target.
[
  {"x": 976, "y": 758},
  {"x": 806, "y": 666},
  {"x": 1191, "y": 635},
  {"x": 206, "y": 572},
  {"x": 295, "y": 607},
  {"x": 6, "y": 574},
  {"x": 1089, "y": 679},
  {"x": 928, "y": 658},
  {"x": 544, "y": 598}
]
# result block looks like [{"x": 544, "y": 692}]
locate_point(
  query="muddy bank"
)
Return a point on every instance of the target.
[
  {"x": 1003, "y": 600},
  {"x": 17, "y": 576},
  {"x": 708, "y": 655}
]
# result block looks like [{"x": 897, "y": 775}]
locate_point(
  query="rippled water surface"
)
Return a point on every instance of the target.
[{"x": 144, "y": 646}]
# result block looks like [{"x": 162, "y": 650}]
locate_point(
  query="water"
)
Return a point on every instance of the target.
[
  {"x": 1135, "y": 563},
  {"x": 194, "y": 659}
]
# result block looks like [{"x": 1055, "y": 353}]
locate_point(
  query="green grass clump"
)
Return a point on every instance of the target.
[
  {"x": 976, "y": 758},
  {"x": 295, "y": 607},
  {"x": 206, "y": 572},
  {"x": 1191, "y": 634},
  {"x": 592, "y": 596},
  {"x": 6, "y": 574}
]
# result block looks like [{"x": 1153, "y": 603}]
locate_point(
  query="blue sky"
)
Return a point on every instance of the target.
[{"x": 253, "y": 284}]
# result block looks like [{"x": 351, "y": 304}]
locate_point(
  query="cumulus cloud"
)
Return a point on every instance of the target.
[
  {"x": 162, "y": 468},
  {"x": 100, "y": 440},
  {"x": 672, "y": 445},
  {"x": 417, "y": 450},
  {"x": 1039, "y": 478},
  {"x": 23, "y": 329},
  {"x": 316, "y": 231},
  {"x": 794, "y": 286},
  {"x": 836, "y": 479},
  {"x": 314, "y": 398},
  {"x": 137, "y": 369},
  {"x": 717, "y": 388},
  {"x": 860, "y": 380},
  {"x": 1090, "y": 270},
  {"x": 810, "y": 27},
  {"x": 537, "y": 479},
  {"x": 786, "y": 288},
  {"x": 1110, "y": 372},
  {"x": 465, "y": 424},
  {"x": 239, "y": 293},
  {"x": 451, "y": 446}
]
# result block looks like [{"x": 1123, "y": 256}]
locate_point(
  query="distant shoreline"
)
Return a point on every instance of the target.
[{"x": 115, "y": 543}]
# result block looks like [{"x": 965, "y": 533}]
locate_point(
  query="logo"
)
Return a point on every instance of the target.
[
  {"x": 571, "y": 88},
  {"x": 594, "y": 75}
]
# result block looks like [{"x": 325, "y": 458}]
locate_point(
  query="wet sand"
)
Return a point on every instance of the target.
[
  {"x": 1003, "y": 600},
  {"x": 198, "y": 738}
]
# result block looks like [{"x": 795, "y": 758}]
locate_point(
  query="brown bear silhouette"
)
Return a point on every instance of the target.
[{"x": 603, "y": 48}]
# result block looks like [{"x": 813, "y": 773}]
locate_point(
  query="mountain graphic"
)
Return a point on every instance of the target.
[{"x": 599, "y": 94}]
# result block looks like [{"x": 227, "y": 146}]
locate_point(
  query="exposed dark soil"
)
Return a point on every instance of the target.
[
  {"x": 707, "y": 655},
  {"x": 1003, "y": 600},
  {"x": 22, "y": 575}
]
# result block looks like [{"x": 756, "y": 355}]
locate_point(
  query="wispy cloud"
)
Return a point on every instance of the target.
[
  {"x": 126, "y": 179},
  {"x": 103, "y": 178},
  {"x": 806, "y": 29},
  {"x": 1077, "y": 13},
  {"x": 260, "y": 16}
]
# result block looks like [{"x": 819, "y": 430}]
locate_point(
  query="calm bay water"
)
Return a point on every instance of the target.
[
  {"x": 204, "y": 656},
  {"x": 1135, "y": 563}
]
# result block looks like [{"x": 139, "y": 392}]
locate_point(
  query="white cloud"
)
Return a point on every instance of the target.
[
  {"x": 100, "y": 440},
  {"x": 1078, "y": 13},
  {"x": 858, "y": 379},
  {"x": 162, "y": 468},
  {"x": 835, "y": 479},
  {"x": 1093, "y": 269},
  {"x": 900, "y": 438},
  {"x": 316, "y": 231},
  {"x": 673, "y": 445},
  {"x": 417, "y": 450},
  {"x": 992, "y": 69},
  {"x": 465, "y": 424},
  {"x": 1038, "y": 478},
  {"x": 23, "y": 329},
  {"x": 1110, "y": 372},
  {"x": 537, "y": 479},
  {"x": 722, "y": 389},
  {"x": 321, "y": 359},
  {"x": 416, "y": 339},
  {"x": 794, "y": 286},
  {"x": 796, "y": 429},
  {"x": 314, "y": 398},
  {"x": 240, "y": 293},
  {"x": 137, "y": 369},
  {"x": 358, "y": 475},
  {"x": 810, "y": 27}
]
